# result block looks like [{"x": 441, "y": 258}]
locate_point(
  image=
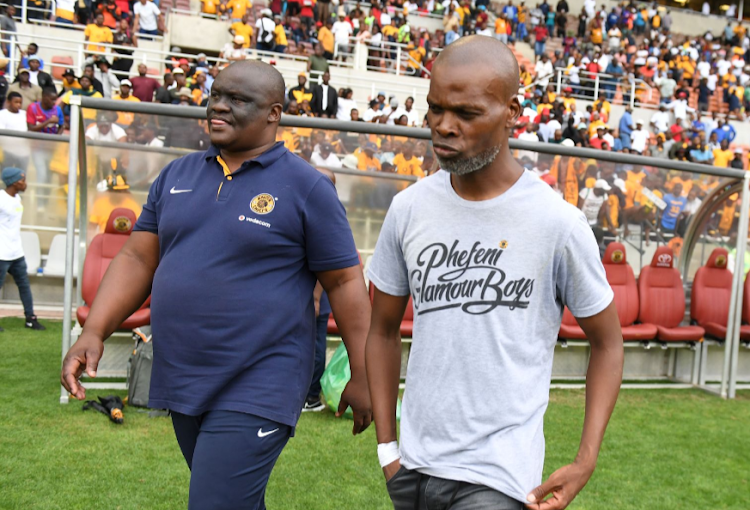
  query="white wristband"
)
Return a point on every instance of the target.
[{"x": 387, "y": 453}]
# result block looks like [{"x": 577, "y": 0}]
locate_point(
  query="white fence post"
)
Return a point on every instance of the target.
[{"x": 398, "y": 61}]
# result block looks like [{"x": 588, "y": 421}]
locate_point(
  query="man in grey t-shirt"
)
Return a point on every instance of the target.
[{"x": 490, "y": 256}]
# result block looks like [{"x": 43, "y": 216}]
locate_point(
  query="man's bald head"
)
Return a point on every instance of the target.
[
  {"x": 473, "y": 104},
  {"x": 481, "y": 52},
  {"x": 258, "y": 75},
  {"x": 244, "y": 106}
]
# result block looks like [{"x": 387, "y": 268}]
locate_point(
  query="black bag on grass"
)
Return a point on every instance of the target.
[{"x": 139, "y": 369}]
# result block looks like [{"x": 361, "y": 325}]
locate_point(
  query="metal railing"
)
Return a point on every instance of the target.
[
  {"x": 635, "y": 91},
  {"x": 159, "y": 58},
  {"x": 49, "y": 19}
]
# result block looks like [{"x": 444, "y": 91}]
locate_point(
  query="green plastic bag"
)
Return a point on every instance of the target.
[{"x": 335, "y": 379}]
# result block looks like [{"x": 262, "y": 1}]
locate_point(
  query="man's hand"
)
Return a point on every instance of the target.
[
  {"x": 85, "y": 354},
  {"x": 357, "y": 395},
  {"x": 391, "y": 469},
  {"x": 564, "y": 485}
]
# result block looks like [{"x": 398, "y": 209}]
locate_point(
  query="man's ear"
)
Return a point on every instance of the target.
[
  {"x": 514, "y": 112},
  {"x": 275, "y": 114}
]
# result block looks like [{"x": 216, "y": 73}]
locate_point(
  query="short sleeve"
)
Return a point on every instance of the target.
[
  {"x": 329, "y": 243},
  {"x": 581, "y": 280},
  {"x": 30, "y": 117},
  {"x": 148, "y": 221},
  {"x": 387, "y": 268}
]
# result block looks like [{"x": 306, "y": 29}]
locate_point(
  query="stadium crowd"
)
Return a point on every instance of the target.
[{"x": 701, "y": 83}]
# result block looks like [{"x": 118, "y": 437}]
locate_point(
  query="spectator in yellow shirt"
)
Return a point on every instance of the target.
[
  {"x": 406, "y": 162},
  {"x": 279, "y": 36},
  {"x": 325, "y": 38},
  {"x": 96, "y": 32},
  {"x": 416, "y": 56},
  {"x": 501, "y": 29},
  {"x": 117, "y": 195},
  {"x": 210, "y": 6},
  {"x": 239, "y": 8},
  {"x": 723, "y": 156},
  {"x": 366, "y": 160},
  {"x": 126, "y": 118},
  {"x": 244, "y": 29}
]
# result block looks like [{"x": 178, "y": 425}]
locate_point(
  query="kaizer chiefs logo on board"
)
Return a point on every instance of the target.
[
  {"x": 617, "y": 256},
  {"x": 263, "y": 203},
  {"x": 122, "y": 223}
]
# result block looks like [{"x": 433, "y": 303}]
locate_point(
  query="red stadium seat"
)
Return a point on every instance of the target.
[
  {"x": 709, "y": 302},
  {"x": 622, "y": 280},
  {"x": 59, "y": 64},
  {"x": 104, "y": 247},
  {"x": 662, "y": 299}
]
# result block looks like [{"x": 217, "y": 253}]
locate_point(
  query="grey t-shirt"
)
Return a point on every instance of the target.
[{"x": 489, "y": 281}]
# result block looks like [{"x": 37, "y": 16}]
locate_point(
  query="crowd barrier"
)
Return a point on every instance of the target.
[{"x": 64, "y": 172}]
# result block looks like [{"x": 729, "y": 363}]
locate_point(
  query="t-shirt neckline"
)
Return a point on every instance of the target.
[{"x": 483, "y": 204}]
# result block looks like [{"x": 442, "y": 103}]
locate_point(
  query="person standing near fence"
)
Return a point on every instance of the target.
[
  {"x": 12, "y": 260},
  {"x": 490, "y": 256},
  {"x": 255, "y": 226}
]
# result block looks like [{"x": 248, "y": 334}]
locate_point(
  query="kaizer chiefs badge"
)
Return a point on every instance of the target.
[
  {"x": 263, "y": 204},
  {"x": 122, "y": 224}
]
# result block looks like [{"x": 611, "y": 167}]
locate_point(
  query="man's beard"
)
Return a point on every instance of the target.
[{"x": 464, "y": 166}]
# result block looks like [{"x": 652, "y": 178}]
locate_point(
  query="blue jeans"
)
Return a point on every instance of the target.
[
  {"x": 230, "y": 456},
  {"x": 625, "y": 140},
  {"x": 321, "y": 334},
  {"x": 17, "y": 269},
  {"x": 148, "y": 32},
  {"x": 538, "y": 48},
  {"x": 521, "y": 32}
]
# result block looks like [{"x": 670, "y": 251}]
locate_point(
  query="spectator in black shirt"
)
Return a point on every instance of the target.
[
  {"x": 162, "y": 93},
  {"x": 704, "y": 94}
]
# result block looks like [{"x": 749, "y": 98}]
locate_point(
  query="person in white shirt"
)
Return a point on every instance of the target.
[
  {"x": 544, "y": 70},
  {"x": 11, "y": 248},
  {"x": 660, "y": 120},
  {"x": 639, "y": 138},
  {"x": 105, "y": 131},
  {"x": 325, "y": 157},
  {"x": 615, "y": 36},
  {"x": 147, "y": 17},
  {"x": 373, "y": 113},
  {"x": 392, "y": 112},
  {"x": 13, "y": 118},
  {"x": 342, "y": 31},
  {"x": 265, "y": 29},
  {"x": 529, "y": 135},
  {"x": 411, "y": 114},
  {"x": 234, "y": 50},
  {"x": 345, "y": 105},
  {"x": 592, "y": 199},
  {"x": 148, "y": 136},
  {"x": 711, "y": 80},
  {"x": 722, "y": 66},
  {"x": 706, "y": 9},
  {"x": 680, "y": 107}
]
